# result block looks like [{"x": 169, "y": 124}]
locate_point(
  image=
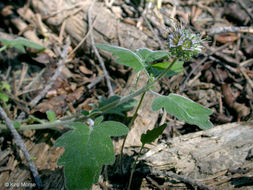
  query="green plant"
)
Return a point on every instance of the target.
[
  {"x": 4, "y": 86},
  {"x": 20, "y": 44},
  {"x": 88, "y": 146}
]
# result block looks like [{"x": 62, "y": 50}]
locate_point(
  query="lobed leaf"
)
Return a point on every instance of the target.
[
  {"x": 184, "y": 109},
  {"x": 124, "y": 56},
  {"x": 87, "y": 149},
  {"x": 151, "y": 135},
  {"x": 21, "y": 43}
]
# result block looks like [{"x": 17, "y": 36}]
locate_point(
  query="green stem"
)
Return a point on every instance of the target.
[
  {"x": 40, "y": 126},
  {"x": 129, "y": 127},
  {"x": 3, "y": 48},
  {"x": 133, "y": 168},
  {"x": 138, "y": 92},
  {"x": 105, "y": 108}
]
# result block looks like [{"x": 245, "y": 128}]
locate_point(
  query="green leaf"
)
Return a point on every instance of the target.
[
  {"x": 124, "y": 56},
  {"x": 4, "y": 97},
  {"x": 51, "y": 115},
  {"x": 87, "y": 149},
  {"x": 6, "y": 86},
  {"x": 149, "y": 56},
  {"x": 85, "y": 112},
  {"x": 151, "y": 135},
  {"x": 184, "y": 109},
  {"x": 16, "y": 124},
  {"x": 21, "y": 43},
  {"x": 98, "y": 120},
  {"x": 118, "y": 110},
  {"x": 32, "y": 119},
  {"x": 157, "y": 68},
  {"x": 94, "y": 113}
]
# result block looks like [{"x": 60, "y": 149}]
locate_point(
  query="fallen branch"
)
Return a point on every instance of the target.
[
  {"x": 153, "y": 32},
  {"x": 228, "y": 29},
  {"x": 21, "y": 145},
  {"x": 63, "y": 58}
]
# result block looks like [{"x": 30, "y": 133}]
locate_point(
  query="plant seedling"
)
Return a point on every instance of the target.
[{"x": 88, "y": 146}]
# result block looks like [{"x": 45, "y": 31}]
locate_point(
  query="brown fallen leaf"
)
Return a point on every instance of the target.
[
  {"x": 230, "y": 99},
  {"x": 75, "y": 95},
  {"x": 208, "y": 75},
  {"x": 226, "y": 38},
  {"x": 57, "y": 104},
  {"x": 221, "y": 117},
  {"x": 241, "y": 109},
  {"x": 84, "y": 70}
]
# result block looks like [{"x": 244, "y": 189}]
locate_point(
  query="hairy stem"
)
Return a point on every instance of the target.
[
  {"x": 81, "y": 118},
  {"x": 3, "y": 48},
  {"x": 133, "y": 168},
  {"x": 129, "y": 127}
]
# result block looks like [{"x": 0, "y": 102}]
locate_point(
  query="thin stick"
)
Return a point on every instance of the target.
[
  {"x": 107, "y": 78},
  {"x": 63, "y": 58},
  {"x": 153, "y": 32},
  {"x": 21, "y": 145},
  {"x": 247, "y": 77},
  {"x": 245, "y": 8},
  {"x": 228, "y": 29},
  {"x": 84, "y": 38}
]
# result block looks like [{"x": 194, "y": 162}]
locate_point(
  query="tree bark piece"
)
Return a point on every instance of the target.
[
  {"x": 107, "y": 29},
  {"x": 206, "y": 154}
]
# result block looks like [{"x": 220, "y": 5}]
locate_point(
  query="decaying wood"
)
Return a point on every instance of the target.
[
  {"x": 207, "y": 156},
  {"x": 46, "y": 158},
  {"x": 107, "y": 28}
]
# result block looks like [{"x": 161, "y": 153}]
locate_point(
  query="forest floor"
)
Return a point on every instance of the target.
[{"x": 220, "y": 77}]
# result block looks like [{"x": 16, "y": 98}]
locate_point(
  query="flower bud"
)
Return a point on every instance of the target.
[{"x": 184, "y": 44}]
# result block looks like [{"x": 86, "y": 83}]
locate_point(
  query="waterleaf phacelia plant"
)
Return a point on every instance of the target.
[{"x": 88, "y": 145}]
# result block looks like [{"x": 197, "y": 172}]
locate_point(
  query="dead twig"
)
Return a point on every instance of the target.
[
  {"x": 62, "y": 60},
  {"x": 153, "y": 32},
  {"x": 245, "y": 8},
  {"x": 60, "y": 64},
  {"x": 95, "y": 81},
  {"x": 107, "y": 78},
  {"x": 21, "y": 145},
  {"x": 84, "y": 38},
  {"x": 200, "y": 63},
  {"x": 182, "y": 178},
  {"x": 229, "y": 29},
  {"x": 247, "y": 77}
]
